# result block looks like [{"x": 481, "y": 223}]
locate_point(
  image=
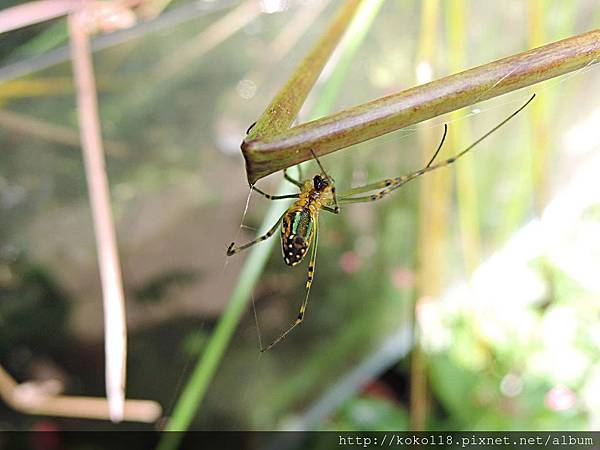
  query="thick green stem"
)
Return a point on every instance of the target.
[
  {"x": 267, "y": 154},
  {"x": 207, "y": 365},
  {"x": 284, "y": 108}
]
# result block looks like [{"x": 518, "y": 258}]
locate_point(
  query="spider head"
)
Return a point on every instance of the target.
[{"x": 321, "y": 183}]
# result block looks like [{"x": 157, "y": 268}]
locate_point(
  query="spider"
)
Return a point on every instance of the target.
[{"x": 300, "y": 222}]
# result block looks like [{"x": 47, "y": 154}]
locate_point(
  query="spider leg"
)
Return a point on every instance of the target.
[
  {"x": 393, "y": 184},
  {"x": 390, "y": 181},
  {"x": 300, "y": 172},
  {"x": 389, "y": 185},
  {"x": 233, "y": 249},
  {"x": 366, "y": 188},
  {"x": 311, "y": 271},
  {"x": 273, "y": 197},
  {"x": 336, "y": 206},
  {"x": 439, "y": 145},
  {"x": 290, "y": 179}
]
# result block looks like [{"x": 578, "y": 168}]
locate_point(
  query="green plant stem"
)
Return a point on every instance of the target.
[
  {"x": 433, "y": 212},
  {"x": 539, "y": 126},
  {"x": 196, "y": 48},
  {"x": 194, "y": 391},
  {"x": 267, "y": 154},
  {"x": 284, "y": 108},
  {"x": 466, "y": 185},
  {"x": 356, "y": 33}
]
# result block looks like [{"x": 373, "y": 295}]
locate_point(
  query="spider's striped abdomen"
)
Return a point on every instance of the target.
[{"x": 297, "y": 231}]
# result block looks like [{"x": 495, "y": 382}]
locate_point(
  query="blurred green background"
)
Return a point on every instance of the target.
[{"x": 506, "y": 305}]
